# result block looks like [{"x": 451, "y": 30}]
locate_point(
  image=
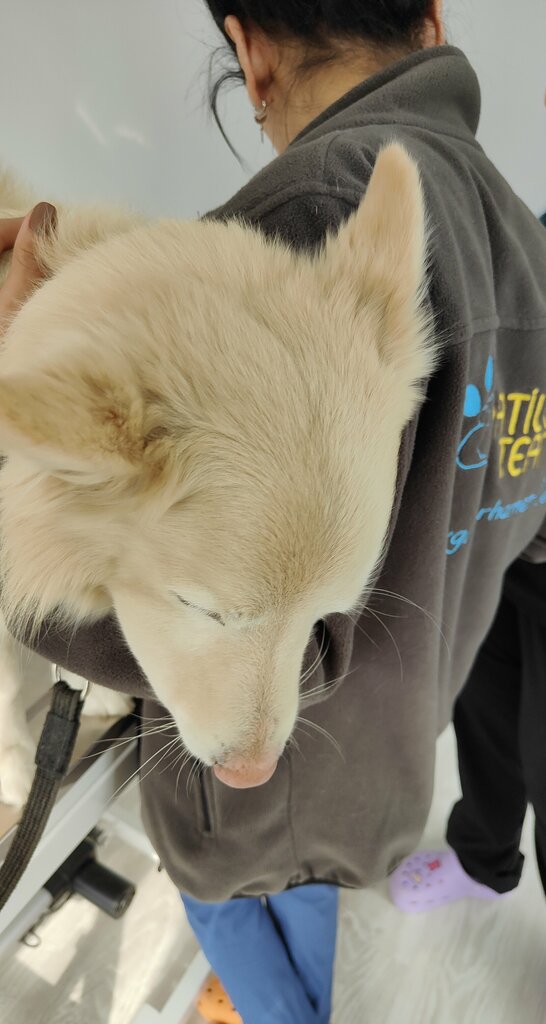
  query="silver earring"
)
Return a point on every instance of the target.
[{"x": 260, "y": 116}]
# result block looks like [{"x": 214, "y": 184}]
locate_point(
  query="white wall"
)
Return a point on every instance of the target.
[
  {"x": 106, "y": 98},
  {"x": 506, "y": 42}
]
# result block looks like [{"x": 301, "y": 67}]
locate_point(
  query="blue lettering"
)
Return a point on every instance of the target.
[
  {"x": 456, "y": 539},
  {"x": 498, "y": 511}
]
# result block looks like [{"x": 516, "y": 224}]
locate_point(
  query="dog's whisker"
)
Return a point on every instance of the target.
[
  {"x": 406, "y": 600},
  {"x": 183, "y": 751},
  {"x": 178, "y": 754},
  {"x": 307, "y": 676},
  {"x": 318, "y": 690},
  {"x": 319, "y": 657},
  {"x": 164, "y": 755},
  {"x": 122, "y": 742},
  {"x": 154, "y": 718},
  {"x": 323, "y": 732},
  {"x": 307, "y": 733},
  {"x": 182, "y": 755},
  {"x": 191, "y": 774},
  {"x": 384, "y": 615},
  {"x": 358, "y": 625},
  {"x": 180, "y": 770},
  {"x": 328, "y": 683},
  {"x": 323, "y": 651},
  {"x": 361, "y": 629},
  {"x": 292, "y": 742},
  {"x": 138, "y": 770},
  {"x": 196, "y": 771},
  {"x": 395, "y": 645}
]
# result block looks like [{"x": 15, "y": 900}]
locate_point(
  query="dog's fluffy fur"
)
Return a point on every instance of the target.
[{"x": 202, "y": 431}]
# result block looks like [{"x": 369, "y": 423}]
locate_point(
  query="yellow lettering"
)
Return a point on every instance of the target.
[
  {"x": 530, "y": 411},
  {"x": 538, "y": 424},
  {"x": 516, "y": 456},
  {"x": 535, "y": 449},
  {"x": 500, "y": 408},
  {"x": 504, "y": 442},
  {"x": 517, "y": 398}
]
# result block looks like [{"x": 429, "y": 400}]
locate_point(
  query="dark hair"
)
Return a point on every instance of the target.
[
  {"x": 321, "y": 25},
  {"x": 387, "y": 22}
]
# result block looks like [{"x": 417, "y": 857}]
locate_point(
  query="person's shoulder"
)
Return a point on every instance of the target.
[{"x": 304, "y": 194}]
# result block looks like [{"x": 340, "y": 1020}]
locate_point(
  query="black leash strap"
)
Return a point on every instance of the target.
[{"x": 53, "y": 758}]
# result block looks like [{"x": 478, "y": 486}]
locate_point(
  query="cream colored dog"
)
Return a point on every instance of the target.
[{"x": 202, "y": 431}]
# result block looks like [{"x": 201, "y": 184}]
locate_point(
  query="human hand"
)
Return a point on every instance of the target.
[{"x": 18, "y": 233}]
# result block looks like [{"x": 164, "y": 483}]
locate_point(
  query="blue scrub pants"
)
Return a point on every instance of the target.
[{"x": 274, "y": 956}]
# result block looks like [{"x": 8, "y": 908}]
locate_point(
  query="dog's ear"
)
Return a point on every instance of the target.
[
  {"x": 381, "y": 249},
  {"x": 82, "y": 427}
]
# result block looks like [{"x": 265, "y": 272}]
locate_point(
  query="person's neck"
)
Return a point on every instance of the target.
[{"x": 301, "y": 100}]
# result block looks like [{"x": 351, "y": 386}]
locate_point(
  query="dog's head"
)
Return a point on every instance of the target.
[{"x": 202, "y": 430}]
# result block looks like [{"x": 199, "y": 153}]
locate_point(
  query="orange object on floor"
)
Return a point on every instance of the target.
[{"x": 214, "y": 1004}]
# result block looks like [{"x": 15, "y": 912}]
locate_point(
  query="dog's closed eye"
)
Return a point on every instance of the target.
[{"x": 211, "y": 615}]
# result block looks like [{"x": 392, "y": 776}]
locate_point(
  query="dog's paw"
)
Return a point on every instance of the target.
[
  {"x": 16, "y": 774},
  {"x": 105, "y": 703}
]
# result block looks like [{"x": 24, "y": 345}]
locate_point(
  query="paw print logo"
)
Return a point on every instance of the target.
[{"x": 476, "y": 407}]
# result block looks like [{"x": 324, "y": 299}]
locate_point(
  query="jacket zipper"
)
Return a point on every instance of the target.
[{"x": 205, "y": 805}]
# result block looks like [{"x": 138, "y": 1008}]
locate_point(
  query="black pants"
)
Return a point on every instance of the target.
[{"x": 500, "y": 724}]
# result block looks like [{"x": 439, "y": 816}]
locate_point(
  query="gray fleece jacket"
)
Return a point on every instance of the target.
[{"x": 471, "y": 496}]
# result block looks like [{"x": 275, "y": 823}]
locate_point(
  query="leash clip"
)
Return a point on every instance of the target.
[{"x": 59, "y": 679}]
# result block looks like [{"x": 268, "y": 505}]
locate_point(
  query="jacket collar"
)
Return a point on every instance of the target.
[{"x": 436, "y": 87}]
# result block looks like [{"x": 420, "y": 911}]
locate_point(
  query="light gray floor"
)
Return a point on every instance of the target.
[{"x": 467, "y": 964}]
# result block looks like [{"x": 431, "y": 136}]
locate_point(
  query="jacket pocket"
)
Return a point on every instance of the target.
[{"x": 205, "y": 802}]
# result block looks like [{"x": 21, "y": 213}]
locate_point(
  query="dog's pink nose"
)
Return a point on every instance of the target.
[{"x": 241, "y": 774}]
